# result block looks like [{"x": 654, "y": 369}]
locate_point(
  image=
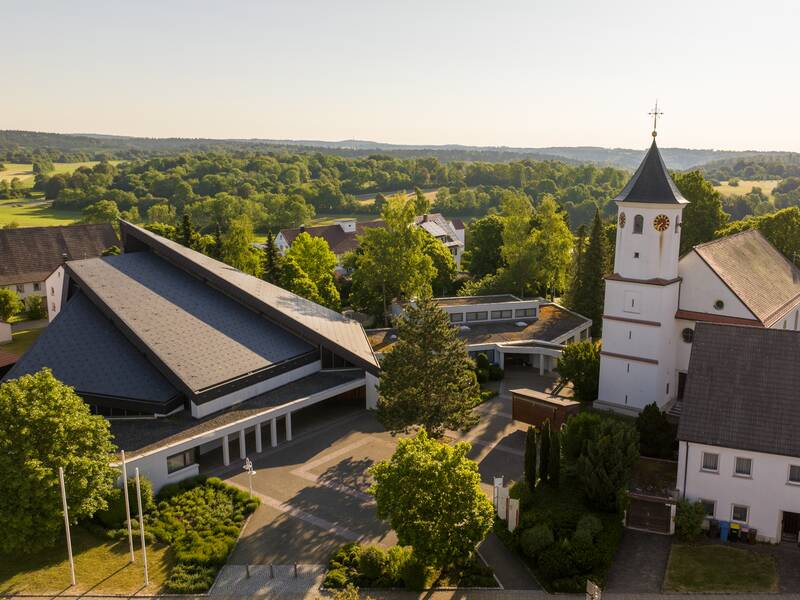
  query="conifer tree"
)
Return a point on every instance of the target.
[
  {"x": 272, "y": 261},
  {"x": 576, "y": 276},
  {"x": 544, "y": 453},
  {"x": 187, "y": 230},
  {"x": 531, "y": 455},
  {"x": 588, "y": 298},
  {"x": 427, "y": 377},
  {"x": 554, "y": 468}
]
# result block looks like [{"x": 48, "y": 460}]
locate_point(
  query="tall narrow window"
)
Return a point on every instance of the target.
[{"x": 638, "y": 224}]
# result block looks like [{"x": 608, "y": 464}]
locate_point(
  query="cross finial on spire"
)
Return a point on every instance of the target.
[{"x": 655, "y": 114}]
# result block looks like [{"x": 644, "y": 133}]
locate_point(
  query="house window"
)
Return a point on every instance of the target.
[
  {"x": 719, "y": 305},
  {"x": 638, "y": 224},
  {"x": 477, "y": 316},
  {"x": 744, "y": 467},
  {"x": 710, "y": 462},
  {"x": 501, "y": 314},
  {"x": 708, "y": 507},
  {"x": 739, "y": 513},
  {"x": 179, "y": 461},
  {"x": 525, "y": 312},
  {"x": 20, "y": 288},
  {"x": 37, "y": 287},
  {"x": 687, "y": 335},
  {"x": 794, "y": 473},
  {"x": 635, "y": 255},
  {"x": 52, "y": 291},
  {"x": 456, "y": 317}
]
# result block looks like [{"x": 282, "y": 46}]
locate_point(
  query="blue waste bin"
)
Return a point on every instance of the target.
[{"x": 724, "y": 529}]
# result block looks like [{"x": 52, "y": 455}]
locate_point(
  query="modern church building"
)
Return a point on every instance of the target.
[{"x": 184, "y": 354}]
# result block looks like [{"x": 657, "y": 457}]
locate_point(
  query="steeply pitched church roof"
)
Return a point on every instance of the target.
[
  {"x": 30, "y": 254},
  {"x": 756, "y": 272},
  {"x": 311, "y": 321},
  {"x": 743, "y": 389},
  {"x": 651, "y": 184}
]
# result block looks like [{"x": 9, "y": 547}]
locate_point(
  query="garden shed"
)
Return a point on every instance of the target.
[{"x": 534, "y": 408}]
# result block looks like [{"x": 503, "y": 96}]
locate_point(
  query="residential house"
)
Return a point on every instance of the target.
[{"x": 739, "y": 448}]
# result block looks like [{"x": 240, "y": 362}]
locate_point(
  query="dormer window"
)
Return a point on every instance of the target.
[{"x": 638, "y": 224}]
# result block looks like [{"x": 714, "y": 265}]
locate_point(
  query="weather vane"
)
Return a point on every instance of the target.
[{"x": 655, "y": 114}]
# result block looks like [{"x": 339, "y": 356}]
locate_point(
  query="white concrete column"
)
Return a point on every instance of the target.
[
  {"x": 288, "y": 427},
  {"x": 242, "y": 445},
  {"x": 273, "y": 432},
  {"x": 226, "y": 458},
  {"x": 258, "y": 438},
  {"x": 541, "y": 364}
]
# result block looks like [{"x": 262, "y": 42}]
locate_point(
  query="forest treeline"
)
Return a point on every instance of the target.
[{"x": 280, "y": 190}]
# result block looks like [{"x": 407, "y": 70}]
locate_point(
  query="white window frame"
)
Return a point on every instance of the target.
[
  {"x": 505, "y": 313},
  {"x": 476, "y": 316},
  {"x": 456, "y": 317},
  {"x": 703, "y": 462},
  {"x": 742, "y": 475},
  {"x": 747, "y": 513},
  {"x": 789, "y": 479}
]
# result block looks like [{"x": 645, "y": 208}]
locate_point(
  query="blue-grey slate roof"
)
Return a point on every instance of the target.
[
  {"x": 203, "y": 337},
  {"x": 85, "y": 351}
]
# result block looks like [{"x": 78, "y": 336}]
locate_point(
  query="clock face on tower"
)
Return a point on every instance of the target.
[
  {"x": 661, "y": 223},
  {"x": 622, "y": 220}
]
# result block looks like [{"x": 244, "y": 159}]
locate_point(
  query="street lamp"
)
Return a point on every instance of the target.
[{"x": 248, "y": 466}]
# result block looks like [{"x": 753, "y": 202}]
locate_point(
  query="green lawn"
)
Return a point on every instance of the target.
[
  {"x": 716, "y": 568},
  {"x": 101, "y": 567},
  {"x": 24, "y": 171},
  {"x": 745, "y": 187},
  {"x": 34, "y": 213},
  {"x": 21, "y": 341}
]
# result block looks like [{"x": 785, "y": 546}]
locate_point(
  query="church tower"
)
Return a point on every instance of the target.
[{"x": 638, "y": 359}]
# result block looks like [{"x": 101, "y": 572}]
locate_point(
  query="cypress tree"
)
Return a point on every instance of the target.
[
  {"x": 217, "y": 241},
  {"x": 554, "y": 471},
  {"x": 531, "y": 454},
  {"x": 544, "y": 453},
  {"x": 577, "y": 267}
]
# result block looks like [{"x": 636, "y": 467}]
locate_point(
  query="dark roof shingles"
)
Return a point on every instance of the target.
[
  {"x": 651, "y": 184},
  {"x": 743, "y": 389},
  {"x": 30, "y": 254}
]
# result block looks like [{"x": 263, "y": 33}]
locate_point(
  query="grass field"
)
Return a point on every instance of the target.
[
  {"x": 21, "y": 341},
  {"x": 745, "y": 187},
  {"x": 101, "y": 567},
  {"x": 26, "y": 212},
  {"x": 24, "y": 171},
  {"x": 716, "y": 568}
]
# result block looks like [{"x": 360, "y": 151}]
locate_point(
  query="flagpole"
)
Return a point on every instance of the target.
[
  {"x": 127, "y": 506},
  {"x": 141, "y": 526},
  {"x": 66, "y": 524}
]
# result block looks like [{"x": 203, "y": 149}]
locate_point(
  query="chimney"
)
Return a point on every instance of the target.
[
  {"x": 64, "y": 257},
  {"x": 302, "y": 228},
  {"x": 425, "y": 218}
]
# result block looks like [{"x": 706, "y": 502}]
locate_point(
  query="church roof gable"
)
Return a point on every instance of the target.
[
  {"x": 651, "y": 184},
  {"x": 761, "y": 277}
]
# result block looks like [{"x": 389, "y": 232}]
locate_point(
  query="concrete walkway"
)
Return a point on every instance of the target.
[{"x": 509, "y": 569}]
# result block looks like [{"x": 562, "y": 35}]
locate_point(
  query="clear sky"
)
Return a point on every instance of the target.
[{"x": 516, "y": 73}]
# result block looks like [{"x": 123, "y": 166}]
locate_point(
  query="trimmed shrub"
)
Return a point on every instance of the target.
[
  {"x": 396, "y": 558},
  {"x": 580, "y": 429},
  {"x": 591, "y": 524},
  {"x": 190, "y": 579},
  {"x": 415, "y": 575},
  {"x": 657, "y": 436},
  {"x": 205, "y": 551},
  {"x": 371, "y": 563},
  {"x": 483, "y": 375},
  {"x": 537, "y": 538},
  {"x": 482, "y": 361},
  {"x": 689, "y": 520},
  {"x": 114, "y": 516},
  {"x": 336, "y": 579},
  {"x": 496, "y": 373},
  {"x": 557, "y": 562}
]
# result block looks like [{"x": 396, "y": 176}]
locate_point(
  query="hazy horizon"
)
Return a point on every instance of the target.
[{"x": 515, "y": 74}]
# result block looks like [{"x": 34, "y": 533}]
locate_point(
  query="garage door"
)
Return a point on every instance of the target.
[{"x": 652, "y": 515}]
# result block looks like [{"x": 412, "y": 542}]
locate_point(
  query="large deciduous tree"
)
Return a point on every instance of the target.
[
  {"x": 236, "y": 247},
  {"x": 315, "y": 258},
  {"x": 427, "y": 378},
  {"x": 781, "y": 228},
  {"x": 443, "y": 263},
  {"x": 552, "y": 244},
  {"x": 10, "y": 304},
  {"x": 703, "y": 215},
  {"x": 103, "y": 211},
  {"x": 579, "y": 364},
  {"x": 430, "y": 494},
  {"x": 391, "y": 262},
  {"x": 45, "y": 425},
  {"x": 484, "y": 243}
]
